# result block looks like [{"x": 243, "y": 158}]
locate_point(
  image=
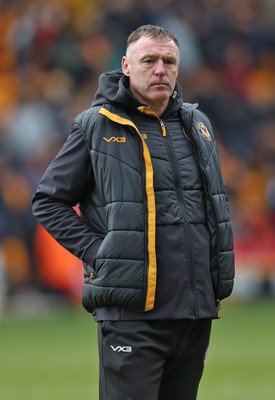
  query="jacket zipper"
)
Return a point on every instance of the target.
[{"x": 175, "y": 169}]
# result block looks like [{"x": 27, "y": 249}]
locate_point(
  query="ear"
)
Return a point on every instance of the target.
[{"x": 125, "y": 66}]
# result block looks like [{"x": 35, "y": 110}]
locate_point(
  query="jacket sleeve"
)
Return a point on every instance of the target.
[{"x": 62, "y": 187}]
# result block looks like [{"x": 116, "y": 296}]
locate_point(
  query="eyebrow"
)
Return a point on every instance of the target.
[{"x": 157, "y": 55}]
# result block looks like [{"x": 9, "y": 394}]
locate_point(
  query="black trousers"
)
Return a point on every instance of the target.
[{"x": 152, "y": 360}]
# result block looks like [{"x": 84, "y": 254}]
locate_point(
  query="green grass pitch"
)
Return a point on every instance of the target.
[{"x": 54, "y": 357}]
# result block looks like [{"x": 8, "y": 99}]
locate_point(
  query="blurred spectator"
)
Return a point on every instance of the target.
[{"x": 17, "y": 230}]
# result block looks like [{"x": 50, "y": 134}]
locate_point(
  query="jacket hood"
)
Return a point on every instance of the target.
[{"x": 113, "y": 88}]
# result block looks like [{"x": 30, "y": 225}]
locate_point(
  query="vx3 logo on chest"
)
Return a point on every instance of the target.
[{"x": 118, "y": 139}]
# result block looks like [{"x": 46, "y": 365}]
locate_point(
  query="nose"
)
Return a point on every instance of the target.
[{"x": 159, "y": 68}]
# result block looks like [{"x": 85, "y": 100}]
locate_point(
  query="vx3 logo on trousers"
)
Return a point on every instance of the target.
[
  {"x": 118, "y": 139},
  {"x": 123, "y": 349}
]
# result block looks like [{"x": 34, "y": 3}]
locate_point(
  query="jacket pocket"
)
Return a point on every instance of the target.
[{"x": 90, "y": 269}]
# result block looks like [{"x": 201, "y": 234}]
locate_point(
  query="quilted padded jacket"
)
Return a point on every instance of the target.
[{"x": 121, "y": 208}]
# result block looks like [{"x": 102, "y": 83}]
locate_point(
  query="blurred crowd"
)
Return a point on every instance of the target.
[{"x": 51, "y": 54}]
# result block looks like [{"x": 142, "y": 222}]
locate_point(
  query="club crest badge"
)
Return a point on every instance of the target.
[{"x": 203, "y": 131}]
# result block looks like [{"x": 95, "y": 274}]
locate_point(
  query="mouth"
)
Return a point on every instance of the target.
[{"x": 160, "y": 84}]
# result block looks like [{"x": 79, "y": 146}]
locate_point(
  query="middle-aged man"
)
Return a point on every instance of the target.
[{"x": 154, "y": 229}]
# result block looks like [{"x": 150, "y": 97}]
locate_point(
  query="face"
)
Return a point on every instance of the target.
[{"x": 152, "y": 66}]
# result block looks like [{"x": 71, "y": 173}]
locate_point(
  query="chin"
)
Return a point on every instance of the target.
[
  {"x": 162, "y": 94},
  {"x": 161, "y": 99}
]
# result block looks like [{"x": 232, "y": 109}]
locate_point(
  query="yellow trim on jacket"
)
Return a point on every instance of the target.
[{"x": 151, "y": 206}]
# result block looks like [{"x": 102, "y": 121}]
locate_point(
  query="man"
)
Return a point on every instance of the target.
[{"x": 154, "y": 231}]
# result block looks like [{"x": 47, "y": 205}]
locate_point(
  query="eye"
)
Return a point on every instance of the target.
[
  {"x": 170, "y": 62},
  {"x": 148, "y": 61}
]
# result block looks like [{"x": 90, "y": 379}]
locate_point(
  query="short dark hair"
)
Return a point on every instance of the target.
[{"x": 152, "y": 31}]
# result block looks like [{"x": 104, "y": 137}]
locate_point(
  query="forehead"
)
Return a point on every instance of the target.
[{"x": 149, "y": 46}]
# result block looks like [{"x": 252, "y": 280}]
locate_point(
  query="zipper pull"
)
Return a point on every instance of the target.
[
  {"x": 163, "y": 129},
  {"x": 219, "y": 308}
]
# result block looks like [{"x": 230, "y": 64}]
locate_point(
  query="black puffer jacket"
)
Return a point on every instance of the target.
[{"x": 132, "y": 194}]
